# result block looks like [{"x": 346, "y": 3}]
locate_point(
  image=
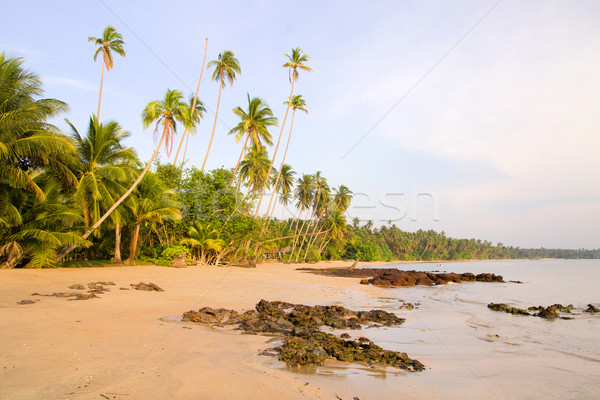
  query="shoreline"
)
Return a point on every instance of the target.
[
  {"x": 121, "y": 345},
  {"x": 130, "y": 344}
]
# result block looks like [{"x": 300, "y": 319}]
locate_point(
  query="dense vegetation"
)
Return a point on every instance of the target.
[{"x": 86, "y": 196}]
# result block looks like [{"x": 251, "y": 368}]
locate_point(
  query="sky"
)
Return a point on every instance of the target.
[{"x": 476, "y": 118}]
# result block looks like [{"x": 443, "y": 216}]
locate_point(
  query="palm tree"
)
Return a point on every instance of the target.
[
  {"x": 192, "y": 107},
  {"x": 336, "y": 226},
  {"x": 33, "y": 155},
  {"x": 253, "y": 168},
  {"x": 152, "y": 204},
  {"x": 321, "y": 199},
  {"x": 204, "y": 240},
  {"x": 194, "y": 112},
  {"x": 110, "y": 41},
  {"x": 253, "y": 125},
  {"x": 226, "y": 67},
  {"x": 105, "y": 170},
  {"x": 295, "y": 62},
  {"x": 304, "y": 194},
  {"x": 297, "y": 103},
  {"x": 104, "y": 167},
  {"x": 166, "y": 112},
  {"x": 43, "y": 226},
  {"x": 282, "y": 183},
  {"x": 27, "y": 141},
  {"x": 342, "y": 198}
]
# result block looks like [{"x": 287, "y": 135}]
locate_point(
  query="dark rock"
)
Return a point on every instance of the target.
[
  {"x": 81, "y": 296},
  {"x": 179, "y": 262},
  {"x": 391, "y": 277},
  {"x": 58, "y": 294},
  {"x": 592, "y": 309},
  {"x": 305, "y": 343},
  {"x": 316, "y": 347},
  {"x": 149, "y": 287},
  {"x": 28, "y": 301},
  {"x": 76, "y": 295},
  {"x": 506, "y": 308},
  {"x": 345, "y": 336},
  {"x": 77, "y": 286},
  {"x": 209, "y": 315}
]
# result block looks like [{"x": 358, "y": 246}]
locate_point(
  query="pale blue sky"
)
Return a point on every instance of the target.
[{"x": 498, "y": 141}]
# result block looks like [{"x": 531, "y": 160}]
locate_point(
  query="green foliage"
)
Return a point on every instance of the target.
[{"x": 172, "y": 252}]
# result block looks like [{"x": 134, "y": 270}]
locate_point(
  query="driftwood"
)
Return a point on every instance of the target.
[{"x": 354, "y": 264}]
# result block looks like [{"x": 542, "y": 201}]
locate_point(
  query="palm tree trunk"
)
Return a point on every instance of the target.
[
  {"x": 276, "y": 148},
  {"x": 295, "y": 232},
  {"x": 312, "y": 238},
  {"x": 239, "y": 160},
  {"x": 184, "y": 136},
  {"x": 100, "y": 95},
  {"x": 212, "y": 135},
  {"x": 269, "y": 214},
  {"x": 118, "y": 202},
  {"x": 324, "y": 245},
  {"x": 118, "y": 243},
  {"x": 133, "y": 244},
  {"x": 186, "y": 133},
  {"x": 303, "y": 235},
  {"x": 282, "y": 161}
]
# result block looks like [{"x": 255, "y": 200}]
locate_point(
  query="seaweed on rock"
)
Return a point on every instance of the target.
[{"x": 304, "y": 343}]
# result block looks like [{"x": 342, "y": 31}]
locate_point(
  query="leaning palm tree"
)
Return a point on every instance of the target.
[
  {"x": 192, "y": 107},
  {"x": 297, "y": 103},
  {"x": 320, "y": 202},
  {"x": 336, "y": 227},
  {"x": 226, "y": 68},
  {"x": 304, "y": 194},
  {"x": 254, "y": 124},
  {"x": 295, "y": 62},
  {"x": 166, "y": 112},
  {"x": 110, "y": 41}
]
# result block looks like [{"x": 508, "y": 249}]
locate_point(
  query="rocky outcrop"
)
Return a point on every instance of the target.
[
  {"x": 304, "y": 343},
  {"x": 391, "y": 277},
  {"x": 550, "y": 313},
  {"x": 592, "y": 309},
  {"x": 502, "y": 307},
  {"x": 149, "y": 287}
]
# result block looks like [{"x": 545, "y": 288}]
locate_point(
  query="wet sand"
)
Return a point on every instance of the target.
[{"x": 124, "y": 344}]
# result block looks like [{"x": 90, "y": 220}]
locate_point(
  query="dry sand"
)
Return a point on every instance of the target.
[{"x": 124, "y": 344}]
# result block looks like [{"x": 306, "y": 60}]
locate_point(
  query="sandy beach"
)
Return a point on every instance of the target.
[{"x": 124, "y": 344}]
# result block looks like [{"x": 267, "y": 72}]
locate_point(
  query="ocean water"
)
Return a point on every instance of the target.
[{"x": 454, "y": 334}]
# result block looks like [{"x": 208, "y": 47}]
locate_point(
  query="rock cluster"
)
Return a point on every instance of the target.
[
  {"x": 149, "y": 287},
  {"x": 592, "y": 309},
  {"x": 550, "y": 313},
  {"x": 391, "y": 277},
  {"x": 95, "y": 288},
  {"x": 304, "y": 343}
]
